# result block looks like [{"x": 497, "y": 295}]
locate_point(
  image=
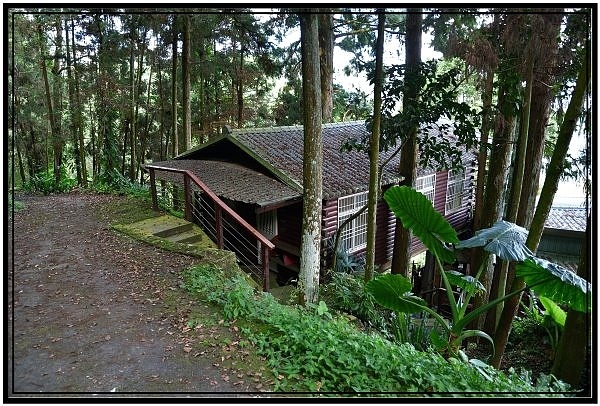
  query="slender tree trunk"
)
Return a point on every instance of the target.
[
  {"x": 498, "y": 286},
  {"x": 570, "y": 357},
  {"x": 408, "y": 162},
  {"x": 313, "y": 161},
  {"x": 240, "y": 90},
  {"x": 72, "y": 107},
  {"x": 78, "y": 113},
  {"x": 326, "y": 45},
  {"x": 186, "y": 71},
  {"x": 373, "y": 197},
  {"x": 132, "y": 103},
  {"x": 486, "y": 126},
  {"x": 47, "y": 93},
  {"x": 174, "y": 92},
  {"x": 57, "y": 137},
  {"x": 555, "y": 170}
]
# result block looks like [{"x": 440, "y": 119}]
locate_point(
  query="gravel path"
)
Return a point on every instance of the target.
[{"x": 91, "y": 311}]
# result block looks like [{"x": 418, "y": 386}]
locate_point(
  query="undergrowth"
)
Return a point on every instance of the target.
[{"x": 310, "y": 350}]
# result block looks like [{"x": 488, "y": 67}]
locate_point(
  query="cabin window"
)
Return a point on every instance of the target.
[
  {"x": 455, "y": 189},
  {"x": 354, "y": 236},
  {"x": 426, "y": 185}
]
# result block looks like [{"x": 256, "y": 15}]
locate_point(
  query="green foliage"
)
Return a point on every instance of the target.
[
  {"x": 308, "y": 349},
  {"x": 118, "y": 184},
  {"x": 45, "y": 183},
  {"x": 556, "y": 283},
  {"x": 503, "y": 239},
  {"x": 418, "y": 215},
  {"x": 446, "y": 126}
]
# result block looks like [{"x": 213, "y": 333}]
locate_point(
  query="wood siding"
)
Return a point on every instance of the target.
[{"x": 290, "y": 222}]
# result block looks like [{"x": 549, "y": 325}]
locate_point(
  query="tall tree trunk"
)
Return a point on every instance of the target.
[
  {"x": 186, "y": 66},
  {"x": 132, "y": 103},
  {"x": 486, "y": 126},
  {"x": 326, "y": 45},
  {"x": 240, "y": 90},
  {"x": 72, "y": 107},
  {"x": 555, "y": 170},
  {"x": 570, "y": 357},
  {"x": 313, "y": 161},
  {"x": 49, "y": 107},
  {"x": 373, "y": 197},
  {"x": 494, "y": 192},
  {"x": 57, "y": 137},
  {"x": 498, "y": 286},
  {"x": 174, "y": 92},
  {"x": 78, "y": 113},
  {"x": 408, "y": 161}
]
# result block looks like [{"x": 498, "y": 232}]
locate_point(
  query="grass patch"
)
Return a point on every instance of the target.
[{"x": 310, "y": 350}]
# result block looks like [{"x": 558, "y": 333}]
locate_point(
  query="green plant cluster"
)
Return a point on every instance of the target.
[
  {"x": 310, "y": 350},
  {"x": 45, "y": 183},
  {"x": 346, "y": 294},
  {"x": 119, "y": 184}
]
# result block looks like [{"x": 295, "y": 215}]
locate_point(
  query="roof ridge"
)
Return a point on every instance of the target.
[{"x": 239, "y": 131}]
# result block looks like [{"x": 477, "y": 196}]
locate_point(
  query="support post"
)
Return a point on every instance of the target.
[
  {"x": 219, "y": 226},
  {"x": 264, "y": 251},
  {"x": 188, "y": 197},
  {"x": 153, "y": 190}
]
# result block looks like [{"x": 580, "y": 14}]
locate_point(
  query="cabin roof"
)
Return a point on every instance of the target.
[
  {"x": 231, "y": 181},
  {"x": 277, "y": 152},
  {"x": 567, "y": 218}
]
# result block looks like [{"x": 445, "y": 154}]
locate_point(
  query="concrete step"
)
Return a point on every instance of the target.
[
  {"x": 187, "y": 237},
  {"x": 167, "y": 230}
]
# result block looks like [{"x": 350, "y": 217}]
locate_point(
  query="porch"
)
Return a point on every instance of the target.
[{"x": 232, "y": 204}]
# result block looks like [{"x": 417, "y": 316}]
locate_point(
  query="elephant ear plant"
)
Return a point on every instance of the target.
[{"x": 505, "y": 240}]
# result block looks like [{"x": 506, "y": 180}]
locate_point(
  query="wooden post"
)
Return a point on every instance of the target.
[
  {"x": 264, "y": 250},
  {"x": 219, "y": 226},
  {"x": 188, "y": 197},
  {"x": 153, "y": 190}
]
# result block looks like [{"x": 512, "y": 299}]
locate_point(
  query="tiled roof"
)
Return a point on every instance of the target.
[
  {"x": 280, "y": 150},
  {"x": 567, "y": 218},
  {"x": 344, "y": 172},
  {"x": 232, "y": 181}
]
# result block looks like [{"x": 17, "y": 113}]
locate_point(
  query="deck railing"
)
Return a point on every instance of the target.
[{"x": 227, "y": 229}]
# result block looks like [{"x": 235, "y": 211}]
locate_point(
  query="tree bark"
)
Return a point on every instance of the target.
[
  {"x": 313, "y": 161},
  {"x": 373, "y": 197},
  {"x": 555, "y": 170},
  {"x": 72, "y": 107},
  {"x": 408, "y": 163},
  {"x": 78, "y": 113},
  {"x": 175, "y": 141},
  {"x": 570, "y": 357},
  {"x": 186, "y": 71},
  {"x": 326, "y": 46},
  {"x": 498, "y": 285}
]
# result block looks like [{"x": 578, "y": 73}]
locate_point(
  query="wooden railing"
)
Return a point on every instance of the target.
[{"x": 220, "y": 208}]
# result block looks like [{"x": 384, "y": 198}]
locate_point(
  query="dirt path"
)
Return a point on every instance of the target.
[{"x": 97, "y": 312}]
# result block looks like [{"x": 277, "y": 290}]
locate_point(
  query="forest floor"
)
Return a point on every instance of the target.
[{"x": 92, "y": 312}]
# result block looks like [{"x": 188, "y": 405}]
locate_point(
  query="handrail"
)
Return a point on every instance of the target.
[{"x": 263, "y": 240}]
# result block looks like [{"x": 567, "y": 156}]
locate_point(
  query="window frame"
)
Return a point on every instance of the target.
[
  {"x": 356, "y": 230},
  {"x": 429, "y": 188},
  {"x": 455, "y": 195}
]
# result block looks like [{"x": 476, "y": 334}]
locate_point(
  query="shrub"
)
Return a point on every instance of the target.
[{"x": 308, "y": 349}]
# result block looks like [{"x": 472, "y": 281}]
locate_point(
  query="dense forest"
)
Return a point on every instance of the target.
[{"x": 94, "y": 94}]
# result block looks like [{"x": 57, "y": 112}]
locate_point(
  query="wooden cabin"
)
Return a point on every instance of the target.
[{"x": 258, "y": 174}]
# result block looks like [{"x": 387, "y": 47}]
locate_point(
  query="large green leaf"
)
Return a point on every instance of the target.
[
  {"x": 465, "y": 282},
  {"x": 554, "y": 311},
  {"x": 418, "y": 215},
  {"x": 556, "y": 283},
  {"x": 392, "y": 291},
  {"x": 505, "y": 239}
]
